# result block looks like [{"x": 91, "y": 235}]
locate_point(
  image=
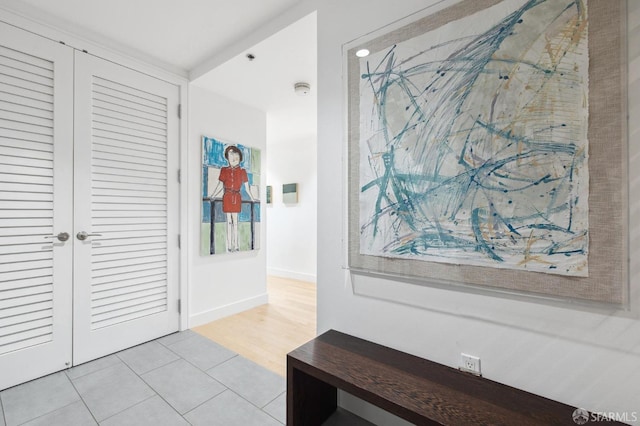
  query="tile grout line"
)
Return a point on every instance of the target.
[
  {"x": 160, "y": 396},
  {"x": 180, "y": 357},
  {"x": 285, "y": 408},
  {"x": 153, "y": 369},
  {"x": 130, "y": 369},
  {"x": 279, "y": 395},
  {"x": 63, "y": 372},
  {"x": 242, "y": 397},
  {"x": 118, "y": 359},
  {"x": 169, "y": 363},
  {"x": 252, "y": 403},
  {"x": 85, "y": 375},
  {"x": 223, "y": 385},
  {"x": 91, "y": 372},
  {"x": 201, "y": 370},
  {"x": 204, "y": 402},
  {"x": 192, "y": 335},
  {"x": 269, "y": 414},
  {"x": 163, "y": 365},
  {"x": 134, "y": 405},
  {"x": 235, "y": 354},
  {"x": 245, "y": 399},
  {"x": 122, "y": 361},
  {"x": 81, "y": 398},
  {"x": 51, "y": 412},
  {"x": 237, "y": 394}
]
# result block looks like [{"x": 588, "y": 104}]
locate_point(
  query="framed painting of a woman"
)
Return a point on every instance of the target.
[{"x": 230, "y": 197}]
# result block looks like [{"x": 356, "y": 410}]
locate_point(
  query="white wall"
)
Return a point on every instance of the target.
[
  {"x": 221, "y": 284},
  {"x": 292, "y": 228},
  {"x": 583, "y": 357}
]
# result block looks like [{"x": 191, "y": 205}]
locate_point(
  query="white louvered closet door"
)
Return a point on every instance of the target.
[
  {"x": 36, "y": 160},
  {"x": 126, "y": 199}
]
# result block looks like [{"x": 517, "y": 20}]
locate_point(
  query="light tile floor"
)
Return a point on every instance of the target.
[{"x": 180, "y": 379}]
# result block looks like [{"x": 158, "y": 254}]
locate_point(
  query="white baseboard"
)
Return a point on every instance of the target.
[
  {"x": 226, "y": 310},
  {"x": 300, "y": 276}
]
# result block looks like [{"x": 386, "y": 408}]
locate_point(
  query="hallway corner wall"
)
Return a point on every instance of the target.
[
  {"x": 226, "y": 283},
  {"x": 291, "y": 228}
]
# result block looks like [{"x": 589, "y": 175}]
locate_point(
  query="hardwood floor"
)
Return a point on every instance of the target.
[{"x": 266, "y": 334}]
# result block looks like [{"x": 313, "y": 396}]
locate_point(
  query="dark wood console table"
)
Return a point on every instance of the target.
[{"x": 420, "y": 391}]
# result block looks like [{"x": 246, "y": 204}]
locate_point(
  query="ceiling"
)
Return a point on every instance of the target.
[
  {"x": 267, "y": 82},
  {"x": 208, "y": 39}
]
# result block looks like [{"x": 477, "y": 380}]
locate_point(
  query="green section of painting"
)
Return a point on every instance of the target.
[
  {"x": 244, "y": 237},
  {"x": 255, "y": 166},
  {"x": 205, "y": 232},
  {"x": 221, "y": 237}
]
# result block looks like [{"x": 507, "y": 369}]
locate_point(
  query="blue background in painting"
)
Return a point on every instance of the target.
[{"x": 213, "y": 154}]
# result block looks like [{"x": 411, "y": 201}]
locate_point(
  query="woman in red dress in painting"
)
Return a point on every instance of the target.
[{"x": 232, "y": 178}]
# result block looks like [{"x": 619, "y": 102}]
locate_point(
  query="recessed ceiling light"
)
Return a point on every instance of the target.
[{"x": 362, "y": 53}]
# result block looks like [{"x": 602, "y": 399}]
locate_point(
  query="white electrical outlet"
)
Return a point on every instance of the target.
[{"x": 470, "y": 364}]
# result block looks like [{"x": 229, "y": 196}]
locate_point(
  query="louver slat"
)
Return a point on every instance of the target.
[
  {"x": 26, "y": 195},
  {"x": 128, "y": 203}
]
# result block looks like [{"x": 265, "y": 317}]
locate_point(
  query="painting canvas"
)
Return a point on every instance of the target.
[
  {"x": 290, "y": 193},
  {"x": 230, "y": 197},
  {"x": 470, "y": 141}
]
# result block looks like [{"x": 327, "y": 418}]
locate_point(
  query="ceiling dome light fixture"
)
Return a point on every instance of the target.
[
  {"x": 302, "y": 89},
  {"x": 362, "y": 53}
]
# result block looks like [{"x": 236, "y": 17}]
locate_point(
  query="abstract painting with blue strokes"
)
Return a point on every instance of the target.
[{"x": 473, "y": 141}]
